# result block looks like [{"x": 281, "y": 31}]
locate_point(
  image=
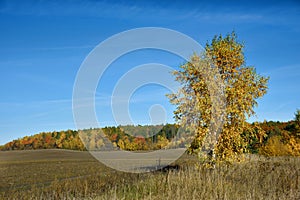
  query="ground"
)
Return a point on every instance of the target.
[{"x": 65, "y": 174}]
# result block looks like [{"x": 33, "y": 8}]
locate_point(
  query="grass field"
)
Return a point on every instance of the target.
[{"x": 63, "y": 174}]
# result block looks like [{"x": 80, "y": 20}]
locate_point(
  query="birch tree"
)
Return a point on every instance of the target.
[{"x": 242, "y": 87}]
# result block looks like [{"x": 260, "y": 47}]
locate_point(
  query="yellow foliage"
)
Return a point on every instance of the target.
[
  {"x": 275, "y": 147},
  {"x": 201, "y": 85},
  {"x": 294, "y": 146}
]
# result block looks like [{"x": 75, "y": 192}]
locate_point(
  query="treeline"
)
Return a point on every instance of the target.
[
  {"x": 266, "y": 138},
  {"x": 281, "y": 138},
  {"x": 129, "y": 138},
  {"x": 47, "y": 140}
]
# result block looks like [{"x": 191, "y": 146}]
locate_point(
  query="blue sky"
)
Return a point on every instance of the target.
[{"x": 43, "y": 44}]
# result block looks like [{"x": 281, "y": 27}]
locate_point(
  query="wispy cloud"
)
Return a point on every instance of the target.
[
  {"x": 284, "y": 72},
  {"x": 67, "y": 8},
  {"x": 229, "y": 12},
  {"x": 54, "y": 48},
  {"x": 43, "y": 102}
]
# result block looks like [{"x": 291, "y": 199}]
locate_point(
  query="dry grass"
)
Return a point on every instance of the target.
[{"x": 60, "y": 174}]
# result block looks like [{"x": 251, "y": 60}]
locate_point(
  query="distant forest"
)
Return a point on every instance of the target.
[{"x": 278, "y": 138}]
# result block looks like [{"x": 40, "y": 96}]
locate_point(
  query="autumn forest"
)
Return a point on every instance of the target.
[{"x": 269, "y": 138}]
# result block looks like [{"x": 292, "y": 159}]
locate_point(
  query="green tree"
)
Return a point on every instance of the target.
[
  {"x": 297, "y": 117},
  {"x": 297, "y": 123},
  {"x": 242, "y": 86}
]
